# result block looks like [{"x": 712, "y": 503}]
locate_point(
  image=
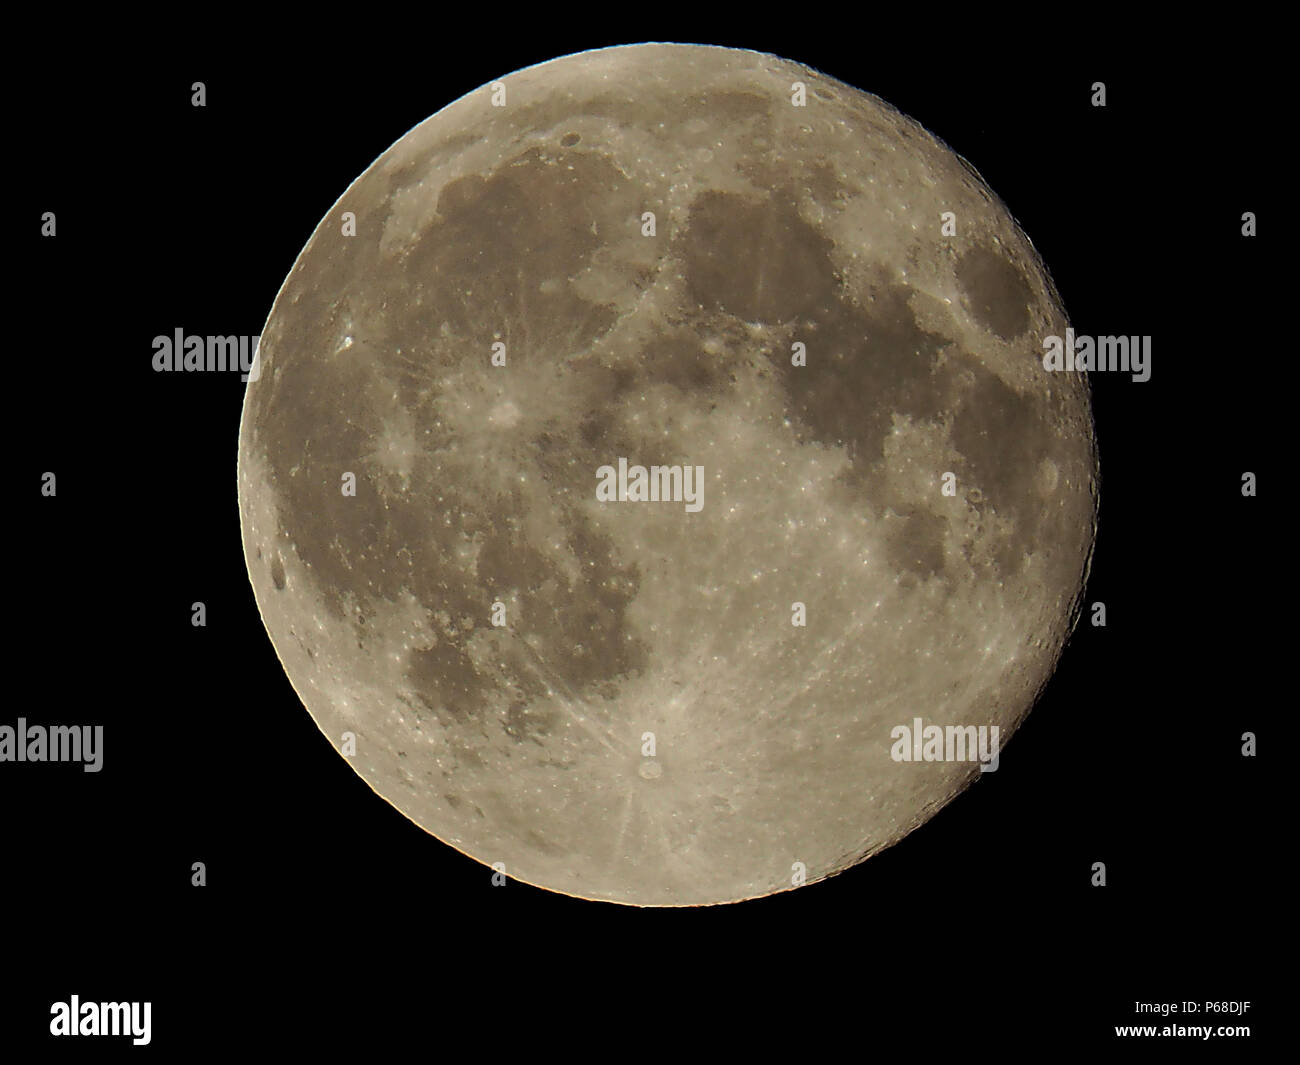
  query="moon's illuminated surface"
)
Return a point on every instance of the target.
[{"x": 476, "y": 483}]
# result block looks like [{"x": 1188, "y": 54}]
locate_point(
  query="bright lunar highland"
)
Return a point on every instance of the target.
[{"x": 818, "y": 321}]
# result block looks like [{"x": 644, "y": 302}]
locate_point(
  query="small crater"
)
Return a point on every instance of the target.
[
  {"x": 569, "y": 140},
  {"x": 650, "y": 769},
  {"x": 277, "y": 573}
]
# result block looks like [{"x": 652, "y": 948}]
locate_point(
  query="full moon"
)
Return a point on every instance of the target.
[{"x": 647, "y": 453}]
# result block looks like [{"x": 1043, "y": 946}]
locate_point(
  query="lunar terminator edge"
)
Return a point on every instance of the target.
[{"x": 655, "y": 253}]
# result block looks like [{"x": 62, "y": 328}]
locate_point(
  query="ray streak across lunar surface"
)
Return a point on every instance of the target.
[{"x": 775, "y": 225}]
